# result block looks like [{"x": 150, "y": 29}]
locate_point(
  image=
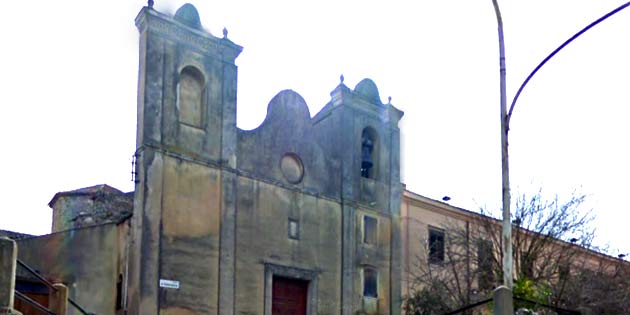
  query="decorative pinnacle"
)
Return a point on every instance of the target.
[
  {"x": 225, "y": 32},
  {"x": 389, "y": 100},
  {"x": 150, "y": 2},
  {"x": 341, "y": 78}
]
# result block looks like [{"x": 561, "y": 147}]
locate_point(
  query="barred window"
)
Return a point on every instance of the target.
[
  {"x": 369, "y": 230},
  {"x": 436, "y": 245},
  {"x": 370, "y": 282},
  {"x": 484, "y": 264}
]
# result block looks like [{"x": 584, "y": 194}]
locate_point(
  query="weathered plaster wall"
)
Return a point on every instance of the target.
[
  {"x": 166, "y": 49},
  {"x": 376, "y": 256},
  {"x": 89, "y": 206},
  {"x": 66, "y": 212},
  {"x": 339, "y": 126},
  {"x": 288, "y": 128},
  {"x": 418, "y": 215},
  {"x": 189, "y": 247},
  {"x": 182, "y": 194},
  {"x": 86, "y": 260},
  {"x": 124, "y": 247},
  {"x": 263, "y": 216},
  {"x": 213, "y": 203},
  {"x": 328, "y": 148}
]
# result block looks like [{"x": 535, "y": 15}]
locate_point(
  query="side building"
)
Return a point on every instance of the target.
[{"x": 452, "y": 258}]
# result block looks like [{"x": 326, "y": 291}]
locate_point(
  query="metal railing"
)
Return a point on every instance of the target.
[
  {"x": 33, "y": 303},
  {"x": 50, "y": 285},
  {"x": 558, "y": 310},
  {"x": 468, "y": 307}
]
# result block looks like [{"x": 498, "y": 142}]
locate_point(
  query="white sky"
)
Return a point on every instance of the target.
[{"x": 68, "y": 79}]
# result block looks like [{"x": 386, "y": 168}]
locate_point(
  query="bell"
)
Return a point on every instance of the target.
[{"x": 366, "y": 157}]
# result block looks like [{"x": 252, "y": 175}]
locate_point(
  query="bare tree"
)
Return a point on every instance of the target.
[
  {"x": 441, "y": 275},
  {"x": 546, "y": 235},
  {"x": 597, "y": 287},
  {"x": 550, "y": 238}
]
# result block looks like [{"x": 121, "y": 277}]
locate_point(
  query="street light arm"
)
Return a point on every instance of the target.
[
  {"x": 567, "y": 42},
  {"x": 498, "y": 13}
]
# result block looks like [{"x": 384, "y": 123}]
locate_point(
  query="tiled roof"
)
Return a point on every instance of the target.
[
  {"x": 14, "y": 235},
  {"x": 86, "y": 191}
]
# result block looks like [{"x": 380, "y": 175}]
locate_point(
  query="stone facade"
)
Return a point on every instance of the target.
[
  {"x": 90, "y": 206},
  {"x": 91, "y": 261},
  {"x": 224, "y": 212}
]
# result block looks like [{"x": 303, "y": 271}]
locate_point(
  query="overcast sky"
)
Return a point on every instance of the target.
[{"x": 69, "y": 77}]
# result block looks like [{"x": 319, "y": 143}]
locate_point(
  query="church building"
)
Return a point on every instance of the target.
[
  {"x": 304, "y": 215},
  {"x": 298, "y": 216}
]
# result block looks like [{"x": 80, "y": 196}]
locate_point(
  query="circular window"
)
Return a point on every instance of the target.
[{"x": 292, "y": 168}]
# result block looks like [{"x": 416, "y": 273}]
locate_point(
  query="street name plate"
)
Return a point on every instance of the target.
[{"x": 169, "y": 284}]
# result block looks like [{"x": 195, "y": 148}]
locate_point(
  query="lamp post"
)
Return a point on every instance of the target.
[{"x": 506, "y": 234}]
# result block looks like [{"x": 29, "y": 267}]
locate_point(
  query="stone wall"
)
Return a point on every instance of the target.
[
  {"x": 219, "y": 211},
  {"x": 86, "y": 260},
  {"x": 265, "y": 247},
  {"x": 189, "y": 251},
  {"x": 90, "y": 206}
]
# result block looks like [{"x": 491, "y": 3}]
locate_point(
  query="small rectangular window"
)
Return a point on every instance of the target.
[
  {"x": 484, "y": 264},
  {"x": 564, "y": 271},
  {"x": 527, "y": 266},
  {"x": 369, "y": 230},
  {"x": 294, "y": 229},
  {"x": 370, "y": 282},
  {"x": 436, "y": 246}
]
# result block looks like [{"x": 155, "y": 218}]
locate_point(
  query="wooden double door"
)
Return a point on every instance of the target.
[{"x": 289, "y": 296}]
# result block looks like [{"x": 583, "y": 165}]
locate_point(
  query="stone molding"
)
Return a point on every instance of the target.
[
  {"x": 272, "y": 270},
  {"x": 151, "y": 20}
]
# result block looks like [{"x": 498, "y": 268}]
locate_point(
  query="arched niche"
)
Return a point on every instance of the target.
[{"x": 191, "y": 100}]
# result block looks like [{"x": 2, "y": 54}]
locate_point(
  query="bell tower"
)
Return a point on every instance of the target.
[
  {"x": 182, "y": 252},
  {"x": 367, "y": 144}
]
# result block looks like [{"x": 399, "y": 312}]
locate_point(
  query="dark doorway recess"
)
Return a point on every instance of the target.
[{"x": 289, "y": 296}]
